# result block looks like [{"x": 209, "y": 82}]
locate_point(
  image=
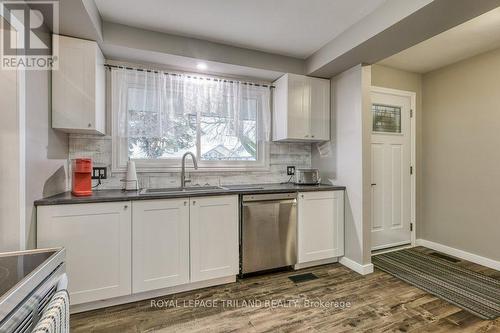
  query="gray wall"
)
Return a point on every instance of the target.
[
  {"x": 461, "y": 161},
  {"x": 387, "y": 77},
  {"x": 11, "y": 160},
  {"x": 46, "y": 149},
  {"x": 349, "y": 158}
]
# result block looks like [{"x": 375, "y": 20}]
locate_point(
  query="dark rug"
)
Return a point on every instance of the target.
[{"x": 469, "y": 290}]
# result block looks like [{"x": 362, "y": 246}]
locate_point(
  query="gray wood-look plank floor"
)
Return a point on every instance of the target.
[{"x": 378, "y": 303}]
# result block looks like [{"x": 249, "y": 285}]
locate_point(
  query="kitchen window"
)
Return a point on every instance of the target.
[{"x": 157, "y": 117}]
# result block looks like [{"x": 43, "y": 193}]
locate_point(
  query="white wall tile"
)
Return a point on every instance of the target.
[{"x": 281, "y": 154}]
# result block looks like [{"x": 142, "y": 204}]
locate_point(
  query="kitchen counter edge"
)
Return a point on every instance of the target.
[{"x": 67, "y": 198}]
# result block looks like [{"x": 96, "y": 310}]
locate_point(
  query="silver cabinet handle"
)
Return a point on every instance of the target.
[
  {"x": 185, "y": 203},
  {"x": 125, "y": 207},
  {"x": 373, "y": 184},
  {"x": 89, "y": 125},
  {"x": 194, "y": 202},
  {"x": 312, "y": 136},
  {"x": 301, "y": 195}
]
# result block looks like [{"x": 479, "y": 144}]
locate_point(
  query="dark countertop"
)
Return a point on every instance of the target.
[{"x": 119, "y": 195}]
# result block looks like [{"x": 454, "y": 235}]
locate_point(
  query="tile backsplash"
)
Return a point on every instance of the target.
[{"x": 281, "y": 154}]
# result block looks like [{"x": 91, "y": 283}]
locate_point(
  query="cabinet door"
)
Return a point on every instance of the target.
[
  {"x": 78, "y": 85},
  {"x": 298, "y": 119},
  {"x": 214, "y": 237},
  {"x": 73, "y": 86},
  {"x": 319, "y": 109},
  {"x": 97, "y": 238},
  {"x": 160, "y": 246},
  {"x": 320, "y": 225}
]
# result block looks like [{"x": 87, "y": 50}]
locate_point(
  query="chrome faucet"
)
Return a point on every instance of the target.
[{"x": 183, "y": 171}]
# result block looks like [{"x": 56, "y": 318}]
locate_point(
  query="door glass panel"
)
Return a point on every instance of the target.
[{"x": 386, "y": 118}]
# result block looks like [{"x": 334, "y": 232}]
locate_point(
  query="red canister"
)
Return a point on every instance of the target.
[{"x": 82, "y": 177}]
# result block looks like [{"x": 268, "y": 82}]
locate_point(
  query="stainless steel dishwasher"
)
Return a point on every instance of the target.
[{"x": 268, "y": 231}]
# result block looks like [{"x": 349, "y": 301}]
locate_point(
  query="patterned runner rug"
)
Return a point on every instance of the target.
[{"x": 469, "y": 290}]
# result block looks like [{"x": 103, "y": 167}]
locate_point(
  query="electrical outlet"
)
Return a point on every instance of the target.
[
  {"x": 290, "y": 170},
  {"x": 99, "y": 173}
]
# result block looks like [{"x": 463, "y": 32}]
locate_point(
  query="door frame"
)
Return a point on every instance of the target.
[{"x": 413, "y": 149}]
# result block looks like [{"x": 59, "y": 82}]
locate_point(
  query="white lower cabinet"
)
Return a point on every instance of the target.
[
  {"x": 214, "y": 237},
  {"x": 160, "y": 244},
  {"x": 320, "y": 225},
  {"x": 177, "y": 241},
  {"x": 97, "y": 238}
]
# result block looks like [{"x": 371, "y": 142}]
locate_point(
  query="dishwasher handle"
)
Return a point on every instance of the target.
[
  {"x": 269, "y": 197},
  {"x": 256, "y": 203}
]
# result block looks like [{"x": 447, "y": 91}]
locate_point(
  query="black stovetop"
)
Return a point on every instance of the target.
[{"x": 15, "y": 267}]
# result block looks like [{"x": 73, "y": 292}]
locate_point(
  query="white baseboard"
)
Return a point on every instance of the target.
[
  {"x": 494, "y": 264},
  {"x": 150, "y": 294},
  {"x": 357, "y": 267},
  {"x": 316, "y": 263}
]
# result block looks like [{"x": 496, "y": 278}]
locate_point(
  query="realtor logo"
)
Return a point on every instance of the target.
[{"x": 26, "y": 35}]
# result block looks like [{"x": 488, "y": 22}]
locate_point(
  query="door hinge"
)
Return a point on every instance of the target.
[
  {"x": 411, "y": 113},
  {"x": 411, "y": 170},
  {"x": 411, "y": 226}
]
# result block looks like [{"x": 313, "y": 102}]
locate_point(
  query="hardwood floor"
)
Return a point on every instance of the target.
[{"x": 378, "y": 303}]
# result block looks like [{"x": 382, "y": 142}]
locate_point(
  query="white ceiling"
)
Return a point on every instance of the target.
[
  {"x": 473, "y": 37},
  {"x": 294, "y": 28}
]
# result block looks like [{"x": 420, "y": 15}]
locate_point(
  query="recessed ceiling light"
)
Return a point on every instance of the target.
[{"x": 201, "y": 66}]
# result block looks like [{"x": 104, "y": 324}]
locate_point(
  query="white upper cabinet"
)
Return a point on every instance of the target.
[
  {"x": 320, "y": 225},
  {"x": 301, "y": 109},
  {"x": 78, "y": 87},
  {"x": 214, "y": 237},
  {"x": 97, "y": 238},
  {"x": 160, "y": 244}
]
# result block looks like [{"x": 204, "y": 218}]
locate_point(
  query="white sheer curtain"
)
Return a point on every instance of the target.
[{"x": 159, "y": 116}]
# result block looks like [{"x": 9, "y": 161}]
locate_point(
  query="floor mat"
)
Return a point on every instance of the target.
[{"x": 469, "y": 290}]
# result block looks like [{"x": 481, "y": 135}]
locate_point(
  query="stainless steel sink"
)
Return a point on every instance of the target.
[{"x": 178, "y": 189}]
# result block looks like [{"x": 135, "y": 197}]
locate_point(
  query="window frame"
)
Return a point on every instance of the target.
[{"x": 120, "y": 147}]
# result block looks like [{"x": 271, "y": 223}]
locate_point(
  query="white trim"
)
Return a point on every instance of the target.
[
  {"x": 357, "y": 267},
  {"x": 382, "y": 247},
  {"x": 413, "y": 144},
  {"x": 316, "y": 263},
  {"x": 491, "y": 263},
  {"x": 150, "y": 294},
  {"x": 391, "y": 249}
]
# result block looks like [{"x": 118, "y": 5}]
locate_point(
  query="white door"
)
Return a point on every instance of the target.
[
  {"x": 390, "y": 170},
  {"x": 97, "y": 238},
  {"x": 214, "y": 237},
  {"x": 160, "y": 244},
  {"x": 320, "y": 225}
]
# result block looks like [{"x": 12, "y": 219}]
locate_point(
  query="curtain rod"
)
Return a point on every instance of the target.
[{"x": 270, "y": 86}]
